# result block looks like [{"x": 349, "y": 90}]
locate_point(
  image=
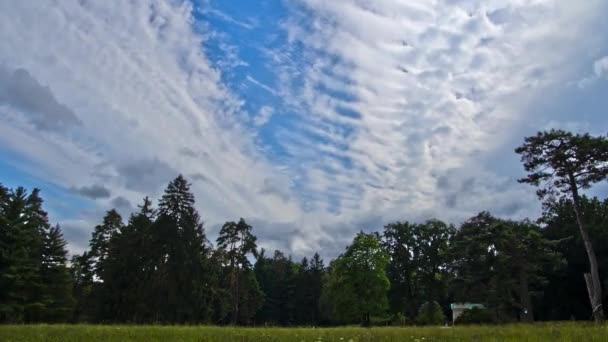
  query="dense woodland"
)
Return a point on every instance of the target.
[{"x": 158, "y": 266}]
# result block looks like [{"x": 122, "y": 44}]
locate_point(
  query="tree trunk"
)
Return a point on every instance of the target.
[
  {"x": 592, "y": 279},
  {"x": 524, "y": 297}
]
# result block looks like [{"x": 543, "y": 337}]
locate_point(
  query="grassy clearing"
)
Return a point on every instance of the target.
[{"x": 537, "y": 332}]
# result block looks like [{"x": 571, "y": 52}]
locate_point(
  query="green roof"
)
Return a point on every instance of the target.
[{"x": 466, "y": 305}]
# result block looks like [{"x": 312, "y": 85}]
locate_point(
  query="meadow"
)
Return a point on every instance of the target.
[{"x": 516, "y": 332}]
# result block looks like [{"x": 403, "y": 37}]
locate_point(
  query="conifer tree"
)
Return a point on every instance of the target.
[
  {"x": 237, "y": 242},
  {"x": 181, "y": 248},
  {"x": 58, "y": 299},
  {"x": 21, "y": 252},
  {"x": 100, "y": 241}
]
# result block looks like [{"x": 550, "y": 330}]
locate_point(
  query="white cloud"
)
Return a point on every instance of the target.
[
  {"x": 434, "y": 84},
  {"x": 136, "y": 79},
  {"x": 397, "y": 103},
  {"x": 600, "y": 70},
  {"x": 600, "y": 67},
  {"x": 263, "y": 116}
]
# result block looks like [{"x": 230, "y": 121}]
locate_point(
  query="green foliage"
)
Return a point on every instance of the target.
[
  {"x": 497, "y": 261},
  {"x": 160, "y": 268},
  {"x": 34, "y": 281},
  {"x": 100, "y": 241},
  {"x": 356, "y": 285},
  {"x": 57, "y": 292},
  {"x": 560, "y": 164},
  {"x": 418, "y": 263},
  {"x": 564, "y": 293},
  {"x": 236, "y": 242},
  {"x": 430, "y": 313},
  {"x": 475, "y": 316}
]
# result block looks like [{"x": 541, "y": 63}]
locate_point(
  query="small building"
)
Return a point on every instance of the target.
[{"x": 458, "y": 308}]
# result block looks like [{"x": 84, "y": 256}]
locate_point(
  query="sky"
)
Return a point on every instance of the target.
[{"x": 311, "y": 119}]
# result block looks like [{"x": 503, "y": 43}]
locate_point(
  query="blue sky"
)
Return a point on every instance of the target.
[{"x": 312, "y": 119}]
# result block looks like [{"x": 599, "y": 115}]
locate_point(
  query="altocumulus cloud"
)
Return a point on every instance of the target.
[{"x": 393, "y": 107}]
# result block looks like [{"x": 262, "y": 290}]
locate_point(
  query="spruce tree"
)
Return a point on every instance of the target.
[
  {"x": 20, "y": 260},
  {"x": 128, "y": 269},
  {"x": 181, "y": 249},
  {"x": 82, "y": 270},
  {"x": 100, "y": 240},
  {"x": 58, "y": 299}
]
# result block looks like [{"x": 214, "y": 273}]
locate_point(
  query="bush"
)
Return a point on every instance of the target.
[
  {"x": 399, "y": 320},
  {"x": 475, "y": 316},
  {"x": 430, "y": 313}
]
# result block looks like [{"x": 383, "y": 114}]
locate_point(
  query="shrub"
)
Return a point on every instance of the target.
[
  {"x": 475, "y": 316},
  {"x": 430, "y": 313},
  {"x": 399, "y": 320}
]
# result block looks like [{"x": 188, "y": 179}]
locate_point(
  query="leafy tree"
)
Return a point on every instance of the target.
[
  {"x": 430, "y": 313},
  {"x": 418, "y": 263},
  {"x": 237, "y": 242},
  {"x": 560, "y": 164},
  {"x": 496, "y": 261},
  {"x": 525, "y": 252},
  {"x": 480, "y": 272},
  {"x": 356, "y": 285}
]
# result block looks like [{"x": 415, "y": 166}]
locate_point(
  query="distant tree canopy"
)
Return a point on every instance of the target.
[{"x": 158, "y": 266}]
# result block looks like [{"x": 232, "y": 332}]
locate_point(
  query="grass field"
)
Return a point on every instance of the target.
[{"x": 580, "y": 332}]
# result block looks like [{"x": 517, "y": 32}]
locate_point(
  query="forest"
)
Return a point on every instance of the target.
[{"x": 158, "y": 265}]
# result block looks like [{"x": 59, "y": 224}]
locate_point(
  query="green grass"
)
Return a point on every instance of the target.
[{"x": 579, "y": 332}]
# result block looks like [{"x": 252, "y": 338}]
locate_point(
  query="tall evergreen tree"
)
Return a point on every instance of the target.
[
  {"x": 21, "y": 256},
  {"x": 100, "y": 241},
  {"x": 130, "y": 266},
  {"x": 277, "y": 279},
  {"x": 308, "y": 291},
  {"x": 58, "y": 299},
  {"x": 82, "y": 271},
  {"x": 180, "y": 244}
]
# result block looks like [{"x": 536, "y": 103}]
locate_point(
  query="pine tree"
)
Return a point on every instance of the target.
[
  {"x": 561, "y": 165},
  {"x": 237, "y": 242}
]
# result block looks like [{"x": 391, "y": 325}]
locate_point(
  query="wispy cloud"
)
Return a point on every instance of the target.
[
  {"x": 261, "y": 85},
  {"x": 134, "y": 75},
  {"x": 388, "y": 109}
]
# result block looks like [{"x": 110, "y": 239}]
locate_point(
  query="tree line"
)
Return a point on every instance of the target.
[{"x": 159, "y": 267}]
